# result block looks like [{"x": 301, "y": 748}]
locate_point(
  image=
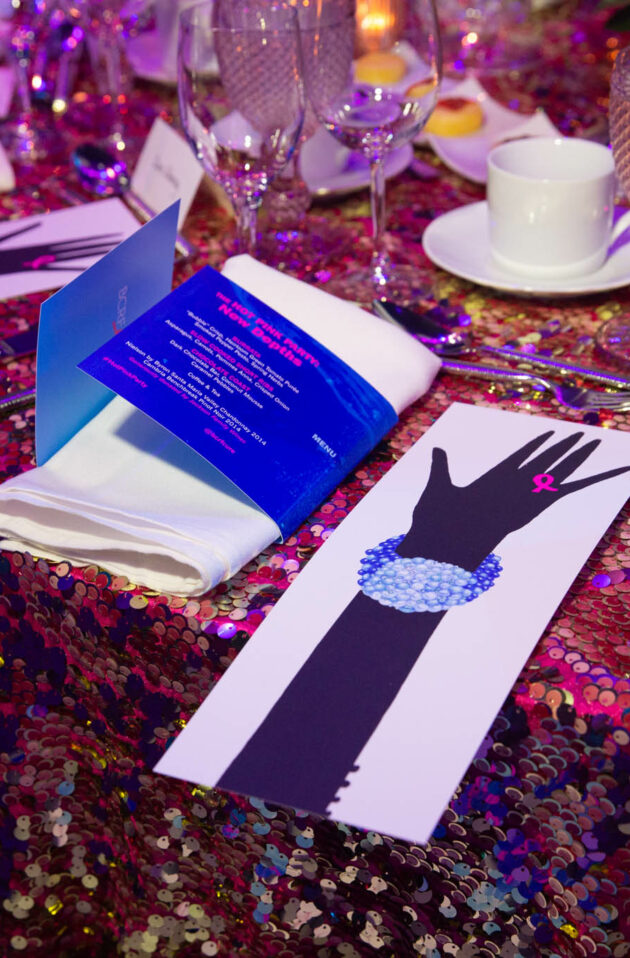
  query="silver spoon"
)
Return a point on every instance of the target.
[
  {"x": 99, "y": 171},
  {"x": 441, "y": 339},
  {"x": 104, "y": 174}
]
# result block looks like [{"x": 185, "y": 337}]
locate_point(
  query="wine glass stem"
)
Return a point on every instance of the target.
[
  {"x": 23, "y": 88},
  {"x": 106, "y": 50},
  {"x": 246, "y": 217},
  {"x": 288, "y": 198},
  {"x": 380, "y": 259}
]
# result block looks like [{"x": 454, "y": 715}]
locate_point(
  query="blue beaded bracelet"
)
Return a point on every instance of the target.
[{"x": 422, "y": 585}]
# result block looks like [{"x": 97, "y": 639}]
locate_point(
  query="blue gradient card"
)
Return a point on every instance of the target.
[
  {"x": 86, "y": 313},
  {"x": 274, "y": 410}
]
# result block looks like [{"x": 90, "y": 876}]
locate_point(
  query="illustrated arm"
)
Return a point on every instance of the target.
[{"x": 308, "y": 743}]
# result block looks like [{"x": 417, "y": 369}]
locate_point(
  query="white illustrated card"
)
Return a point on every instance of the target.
[
  {"x": 422, "y": 608},
  {"x": 47, "y": 251}
]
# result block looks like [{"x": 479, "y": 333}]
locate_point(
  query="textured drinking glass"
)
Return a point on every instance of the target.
[
  {"x": 614, "y": 336},
  {"x": 390, "y": 53},
  {"x": 241, "y": 97},
  {"x": 295, "y": 240}
]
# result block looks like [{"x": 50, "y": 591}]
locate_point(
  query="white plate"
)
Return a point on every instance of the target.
[
  {"x": 151, "y": 61},
  {"x": 459, "y": 242},
  {"x": 467, "y": 155},
  {"x": 328, "y": 168}
]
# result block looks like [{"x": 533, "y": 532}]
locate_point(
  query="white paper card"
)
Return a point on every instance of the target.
[
  {"x": 47, "y": 251},
  {"x": 346, "y": 706},
  {"x": 167, "y": 170},
  {"x": 7, "y": 86}
]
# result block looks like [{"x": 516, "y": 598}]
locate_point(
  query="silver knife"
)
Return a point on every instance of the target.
[
  {"x": 16, "y": 400},
  {"x": 542, "y": 362},
  {"x": 494, "y": 373}
]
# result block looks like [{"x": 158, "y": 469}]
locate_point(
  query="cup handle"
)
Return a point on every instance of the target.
[{"x": 620, "y": 226}]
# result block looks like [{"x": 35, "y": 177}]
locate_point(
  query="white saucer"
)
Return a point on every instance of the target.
[
  {"x": 329, "y": 169},
  {"x": 458, "y": 242},
  {"x": 467, "y": 155}
]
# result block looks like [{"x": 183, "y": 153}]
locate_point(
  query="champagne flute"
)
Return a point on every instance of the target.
[
  {"x": 102, "y": 113},
  {"x": 241, "y": 97},
  {"x": 391, "y": 53},
  {"x": 613, "y": 337}
]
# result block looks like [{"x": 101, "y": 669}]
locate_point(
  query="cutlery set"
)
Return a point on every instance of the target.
[
  {"x": 567, "y": 394},
  {"x": 452, "y": 342}
]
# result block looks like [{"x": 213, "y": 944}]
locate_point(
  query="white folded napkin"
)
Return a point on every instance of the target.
[{"x": 125, "y": 494}]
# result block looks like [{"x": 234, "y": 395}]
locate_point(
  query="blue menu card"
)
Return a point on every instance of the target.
[
  {"x": 84, "y": 314},
  {"x": 279, "y": 414}
]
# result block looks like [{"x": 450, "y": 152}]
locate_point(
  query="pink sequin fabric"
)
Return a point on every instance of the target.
[{"x": 100, "y": 857}]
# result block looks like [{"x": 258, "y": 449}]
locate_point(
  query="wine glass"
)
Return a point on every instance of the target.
[
  {"x": 241, "y": 97},
  {"x": 391, "y": 55},
  {"x": 26, "y": 139},
  {"x": 486, "y": 36},
  {"x": 613, "y": 337},
  {"x": 106, "y": 24}
]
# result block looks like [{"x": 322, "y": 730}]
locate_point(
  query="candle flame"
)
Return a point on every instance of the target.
[{"x": 378, "y": 23}]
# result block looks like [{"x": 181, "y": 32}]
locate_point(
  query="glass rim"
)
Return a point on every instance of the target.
[
  {"x": 334, "y": 21},
  {"x": 620, "y": 61},
  {"x": 186, "y": 17}
]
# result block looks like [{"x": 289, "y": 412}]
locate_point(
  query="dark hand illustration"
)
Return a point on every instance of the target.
[
  {"x": 464, "y": 524},
  {"x": 303, "y": 750},
  {"x": 46, "y": 256}
]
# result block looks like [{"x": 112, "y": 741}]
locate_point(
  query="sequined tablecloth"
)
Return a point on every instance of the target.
[{"x": 102, "y": 857}]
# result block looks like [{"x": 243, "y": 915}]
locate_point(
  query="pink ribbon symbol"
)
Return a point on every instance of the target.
[
  {"x": 40, "y": 261},
  {"x": 543, "y": 481}
]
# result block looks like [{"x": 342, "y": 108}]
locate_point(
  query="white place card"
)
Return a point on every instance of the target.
[
  {"x": 368, "y": 703},
  {"x": 7, "y": 174},
  {"x": 167, "y": 170}
]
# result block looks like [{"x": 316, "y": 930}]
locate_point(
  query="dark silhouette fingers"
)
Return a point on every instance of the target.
[
  {"x": 546, "y": 459},
  {"x": 569, "y": 487}
]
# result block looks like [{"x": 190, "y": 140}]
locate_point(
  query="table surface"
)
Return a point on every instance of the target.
[{"x": 100, "y": 856}]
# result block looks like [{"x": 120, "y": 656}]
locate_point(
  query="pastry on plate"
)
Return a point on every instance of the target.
[
  {"x": 379, "y": 68},
  {"x": 417, "y": 90},
  {"x": 455, "y": 116}
]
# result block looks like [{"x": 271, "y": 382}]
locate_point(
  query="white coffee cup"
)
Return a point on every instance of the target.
[{"x": 550, "y": 206}]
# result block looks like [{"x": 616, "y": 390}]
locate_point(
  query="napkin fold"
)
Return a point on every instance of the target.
[{"x": 127, "y": 495}]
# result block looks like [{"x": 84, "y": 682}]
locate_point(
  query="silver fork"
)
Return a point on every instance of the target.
[{"x": 577, "y": 397}]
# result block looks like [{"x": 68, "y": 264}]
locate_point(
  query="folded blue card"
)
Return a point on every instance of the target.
[
  {"x": 84, "y": 314},
  {"x": 279, "y": 414}
]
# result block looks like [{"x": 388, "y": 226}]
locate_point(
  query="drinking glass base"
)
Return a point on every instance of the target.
[
  {"x": 304, "y": 249},
  {"x": 613, "y": 339},
  {"x": 404, "y": 285},
  {"x": 27, "y": 143}
]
